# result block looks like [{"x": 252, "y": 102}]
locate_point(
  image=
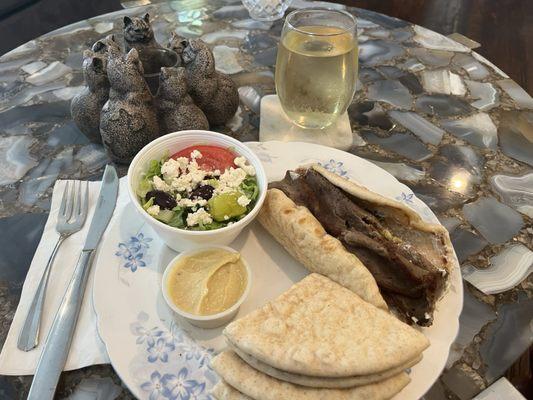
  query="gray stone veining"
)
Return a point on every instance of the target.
[{"x": 435, "y": 114}]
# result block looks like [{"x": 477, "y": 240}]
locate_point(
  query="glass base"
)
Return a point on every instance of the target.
[
  {"x": 265, "y": 17},
  {"x": 275, "y": 125}
]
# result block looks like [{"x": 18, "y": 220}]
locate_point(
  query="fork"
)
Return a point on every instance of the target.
[{"x": 72, "y": 215}]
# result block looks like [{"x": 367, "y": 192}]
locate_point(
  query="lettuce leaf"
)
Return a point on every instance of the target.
[
  {"x": 250, "y": 188},
  {"x": 149, "y": 203},
  {"x": 178, "y": 219},
  {"x": 154, "y": 169}
]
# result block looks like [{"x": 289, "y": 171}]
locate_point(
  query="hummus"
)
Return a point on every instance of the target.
[{"x": 207, "y": 282}]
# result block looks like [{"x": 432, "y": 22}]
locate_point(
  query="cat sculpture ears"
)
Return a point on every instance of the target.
[
  {"x": 103, "y": 45},
  {"x": 177, "y": 43},
  {"x": 128, "y": 20},
  {"x": 133, "y": 58}
]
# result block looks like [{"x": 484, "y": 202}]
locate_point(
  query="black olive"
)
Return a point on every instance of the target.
[
  {"x": 202, "y": 192},
  {"x": 162, "y": 199}
]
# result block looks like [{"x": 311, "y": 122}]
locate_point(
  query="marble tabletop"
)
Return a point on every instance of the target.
[{"x": 429, "y": 110}]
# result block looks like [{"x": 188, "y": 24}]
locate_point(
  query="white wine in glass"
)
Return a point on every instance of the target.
[{"x": 316, "y": 68}]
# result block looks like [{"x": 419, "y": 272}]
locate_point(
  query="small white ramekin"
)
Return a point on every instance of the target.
[
  {"x": 206, "y": 321},
  {"x": 182, "y": 239}
]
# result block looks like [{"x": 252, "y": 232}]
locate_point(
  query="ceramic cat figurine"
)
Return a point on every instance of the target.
[
  {"x": 215, "y": 93},
  {"x": 85, "y": 107},
  {"x": 138, "y": 34},
  {"x": 177, "y": 44},
  {"x": 128, "y": 120},
  {"x": 176, "y": 110}
]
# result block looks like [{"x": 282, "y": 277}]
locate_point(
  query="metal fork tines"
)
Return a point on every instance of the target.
[{"x": 72, "y": 215}]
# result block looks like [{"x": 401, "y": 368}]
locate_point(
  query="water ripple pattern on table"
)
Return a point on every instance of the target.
[
  {"x": 475, "y": 315},
  {"x": 250, "y": 97},
  {"x": 516, "y": 135},
  {"x": 466, "y": 243},
  {"x": 52, "y": 72},
  {"x": 517, "y": 191},
  {"x": 443, "y": 81},
  {"x": 392, "y": 92},
  {"x": 434, "y": 40},
  {"x": 478, "y": 129},
  {"x": 401, "y": 171},
  {"x": 33, "y": 67},
  {"x": 474, "y": 68},
  {"x": 519, "y": 95},
  {"x": 458, "y": 167},
  {"x": 401, "y": 143},
  {"x": 485, "y": 92},
  {"x": 42, "y": 177},
  {"x": 442, "y": 105},
  {"x": 494, "y": 220},
  {"x": 375, "y": 52},
  {"x": 226, "y": 59},
  {"x": 508, "y": 337},
  {"x": 214, "y": 37},
  {"x": 421, "y": 127},
  {"x": 15, "y": 158},
  {"x": 506, "y": 270},
  {"x": 433, "y": 58}
]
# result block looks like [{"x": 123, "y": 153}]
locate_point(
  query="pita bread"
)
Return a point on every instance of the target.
[
  {"x": 437, "y": 246},
  {"x": 259, "y": 386},
  {"x": 300, "y": 233},
  {"x": 320, "y": 328},
  {"x": 317, "y": 382},
  {"x": 223, "y": 391}
]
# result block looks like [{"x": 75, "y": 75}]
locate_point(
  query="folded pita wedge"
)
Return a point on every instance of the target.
[
  {"x": 300, "y": 233},
  {"x": 409, "y": 258},
  {"x": 259, "y": 386},
  {"x": 319, "y": 382},
  {"x": 319, "y": 328},
  {"x": 223, "y": 391}
]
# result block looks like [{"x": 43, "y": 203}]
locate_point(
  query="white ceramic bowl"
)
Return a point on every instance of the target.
[
  {"x": 206, "y": 321},
  {"x": 182, "y": 239}
]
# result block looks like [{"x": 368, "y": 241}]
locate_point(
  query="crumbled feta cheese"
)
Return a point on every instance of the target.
[
  {"x": 216, "y": 172},
  {"x": 427, "y": 316},
  {"x": 230, "y": 180},
  {"x": 199, "y": 217},
  {"x": 188, "y": 180},
  {"x": 196, "y": 154},
  {"x": 230, "y": 223},
  {"x": 184, "y": 162},
  {"x": 415, "y": 319},
  {"x": 243, "y": 201},
  {"x": 160, "y": 184},
  {"x": 171, "y": 169},
  {"x": 226, "y": 217},
  {"x": 153, "y": 210},
  {"x": 178, "y": 197},
  {"x": 192, "y": 203},
  {"x": 242, "y": 162}
]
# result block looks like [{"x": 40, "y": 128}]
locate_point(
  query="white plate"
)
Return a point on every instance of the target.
[{"x": 159, "y": 356}]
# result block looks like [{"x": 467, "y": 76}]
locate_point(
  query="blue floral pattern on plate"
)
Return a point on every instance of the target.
[
  {"x": 166, "y": 348},
  {"x": 406, "y": 198},
  {"x": 133, "y": 251},
  {"x": 337, "y": 167}
]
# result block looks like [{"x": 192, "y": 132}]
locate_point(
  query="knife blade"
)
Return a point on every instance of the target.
[
  {"x": 104, "y": 208},
  {"x": 57, "y": 344}
]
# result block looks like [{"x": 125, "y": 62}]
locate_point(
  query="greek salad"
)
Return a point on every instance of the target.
[{"x": 201, "y": 187}]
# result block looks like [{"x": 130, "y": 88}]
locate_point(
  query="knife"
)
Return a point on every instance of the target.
[{"x": 57, "y": 345}]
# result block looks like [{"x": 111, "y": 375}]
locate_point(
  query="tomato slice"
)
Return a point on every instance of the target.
[{"x": 213, "y": 157}]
